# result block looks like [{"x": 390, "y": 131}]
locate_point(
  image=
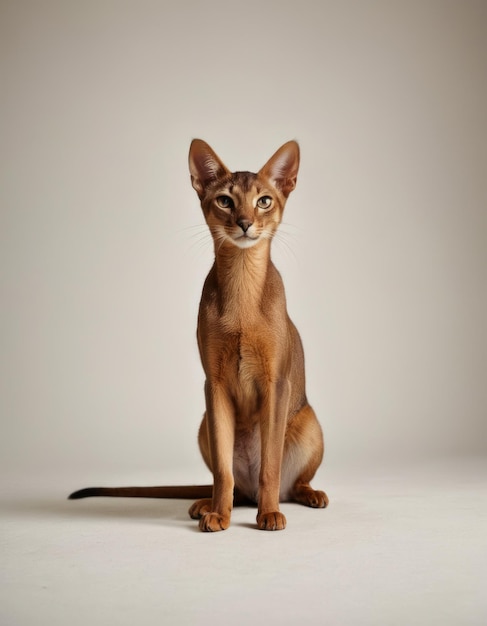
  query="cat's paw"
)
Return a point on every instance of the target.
[
  {"x": 317, "y": 499},
  {"x": 213, "y": 522},
  {"x": 312, "y": 498},
  {"x": 200, "y": 508},
  {"x": 271, "y": 521}
]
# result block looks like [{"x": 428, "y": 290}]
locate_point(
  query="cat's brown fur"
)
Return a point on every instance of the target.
[{"x": 259, "y": 436}]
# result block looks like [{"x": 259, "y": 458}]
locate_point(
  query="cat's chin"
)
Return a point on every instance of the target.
[{"x": 245, "y": 242}]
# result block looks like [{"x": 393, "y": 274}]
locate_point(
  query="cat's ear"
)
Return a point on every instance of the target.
[
  {"x": 204, "y": 166},
  {"x": 282, "y": 167}
]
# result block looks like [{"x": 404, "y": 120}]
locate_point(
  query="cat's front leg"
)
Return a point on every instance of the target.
[
  {"x": 221, "y": 436},
  {"x": 273, "y": 429}
]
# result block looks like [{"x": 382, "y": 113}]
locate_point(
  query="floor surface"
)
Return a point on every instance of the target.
[{"x": 397, "y": 545}]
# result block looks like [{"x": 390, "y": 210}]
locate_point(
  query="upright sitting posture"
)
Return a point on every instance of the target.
[{"x": 259, "y": 436}]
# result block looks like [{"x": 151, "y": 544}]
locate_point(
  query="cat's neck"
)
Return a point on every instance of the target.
[{"x": 241, "y": 278}]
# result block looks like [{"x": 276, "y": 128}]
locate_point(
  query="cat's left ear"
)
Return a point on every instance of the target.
[{"x": 282, "y": 167}]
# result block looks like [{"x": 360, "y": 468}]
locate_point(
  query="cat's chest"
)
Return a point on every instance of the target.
[
  {"x": 245, "y": 372},
  {"x": 251, "y": 365}
]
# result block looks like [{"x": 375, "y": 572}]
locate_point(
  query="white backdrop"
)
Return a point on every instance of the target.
[{"x": 383, "y": 252}]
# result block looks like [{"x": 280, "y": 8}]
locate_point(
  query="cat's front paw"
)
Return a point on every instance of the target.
[
  {"x": 271, "y": 521},
  {"x": 213, "y": 522}
]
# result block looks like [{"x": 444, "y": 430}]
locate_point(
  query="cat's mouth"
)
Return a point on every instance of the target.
[
  {"x": 238, "y": 238},
  {"x": 245, "y": 240}
]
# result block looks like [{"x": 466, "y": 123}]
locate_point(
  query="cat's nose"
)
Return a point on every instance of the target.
[{"x": 244, "y": 224}]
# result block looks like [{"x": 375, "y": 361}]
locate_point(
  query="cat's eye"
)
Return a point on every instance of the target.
[
  {"x": 264, "y": 202},
  {"x": 224, "y": 202}
]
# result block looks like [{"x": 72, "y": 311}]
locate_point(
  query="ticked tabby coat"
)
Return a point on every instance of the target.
[{"x": 259, "y": 436}]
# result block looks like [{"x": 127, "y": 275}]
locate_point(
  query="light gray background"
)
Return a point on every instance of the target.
[
  {"x": 383, "y": 253},
  {"x": 103, "y": 253}
]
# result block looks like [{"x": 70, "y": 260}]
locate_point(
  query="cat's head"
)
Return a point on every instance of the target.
[{"x": 242, "y": 208}]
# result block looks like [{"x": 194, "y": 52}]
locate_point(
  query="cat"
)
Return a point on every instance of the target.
[{"x": 259, "y": 436}]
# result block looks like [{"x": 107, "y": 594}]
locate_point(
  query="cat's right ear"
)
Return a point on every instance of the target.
[{"x": 204, "y": 166}]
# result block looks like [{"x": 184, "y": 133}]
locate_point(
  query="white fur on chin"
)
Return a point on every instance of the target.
[{"x": 245, "y": 242}]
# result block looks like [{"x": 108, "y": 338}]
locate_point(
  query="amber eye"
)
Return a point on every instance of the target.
[
  {"x": 224, "y": 202},
  {"x": 264, "y": 202}
]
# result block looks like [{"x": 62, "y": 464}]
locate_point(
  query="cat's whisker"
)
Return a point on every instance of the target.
[
  {"x": 291, "y": 225},
  {"x": 199, "y": 233},
  {"x": 192, "y": 231},
  {"x": 197, "y": 241},
  {"x": 192, "y": 227},
  {"x": 288, "y": 241},
  {"x": 203, "y": 242},
  {"x": 219, "y": 239},
  {"x": 284, "y": 232},
  {"x": 284, "y": 246},
  {"x": 217, "y": 236}
]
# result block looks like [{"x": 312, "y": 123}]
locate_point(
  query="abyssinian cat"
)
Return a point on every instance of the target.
[{"x": 259, "y": 436}]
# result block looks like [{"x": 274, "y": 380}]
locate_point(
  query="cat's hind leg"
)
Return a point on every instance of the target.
[
  {"x": 200, "y": 508},
  {"x": 303, "y": 453},
  {"x": 305, "y": 494}
]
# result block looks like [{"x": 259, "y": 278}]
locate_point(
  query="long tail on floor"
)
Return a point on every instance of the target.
[{"x": 190, "y": 492}]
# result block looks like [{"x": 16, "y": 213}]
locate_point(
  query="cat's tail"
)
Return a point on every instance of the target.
[{"x": 190, "y": 492}]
